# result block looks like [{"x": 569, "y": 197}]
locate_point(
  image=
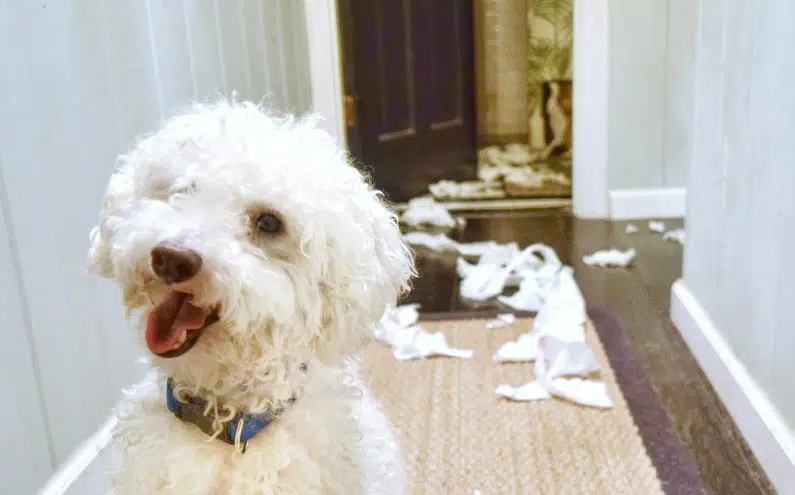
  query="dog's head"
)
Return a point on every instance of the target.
[{"x": 241, "y": 238}]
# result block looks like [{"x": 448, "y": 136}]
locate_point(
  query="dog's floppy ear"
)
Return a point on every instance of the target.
[
  {"x": 369, "y": 266},
  {"x": 118, "y": 193}
]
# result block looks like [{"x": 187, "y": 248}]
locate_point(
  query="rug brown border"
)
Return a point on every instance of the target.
[{"x": 675, "y": 466}]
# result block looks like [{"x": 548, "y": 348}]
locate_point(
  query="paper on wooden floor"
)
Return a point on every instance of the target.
[
  {"x": 425, "y": 211},
  {"x": 656, "y": 226},
  {"x": 610, "y": 257},
  {"x": 677, "y": 235}
]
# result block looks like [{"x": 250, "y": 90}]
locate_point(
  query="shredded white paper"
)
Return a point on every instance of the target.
[
  {"x": 502, "y": 320},
  {"x": 677, "y": 235},
  {"x": 563, "y": 361},
  {"x": 610, "y": 257},
  {"x": 398, "y": 328},
  {"x": 424, "y": 211},
  {"x": 656, "y": 226}
]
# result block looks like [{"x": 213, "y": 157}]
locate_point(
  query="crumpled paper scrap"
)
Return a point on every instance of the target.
[
  {"x": 502, "y": 320},
  {"x": 585, "y": 392},
  {"x": 677, "y": 235},
  {"x": 610, "y": 257},
  {"x": 656, "y": 226},
  {"x": 557, "y": 344},
  {"x": 487, "y": 252},
  {"x": 486, "y": 280},
  {"x": 631, "y": 228},
  {"x": 425, "y": 211},
  {"x": 536, "y": 283},
  {"x": 524, "y": 349},
  {"x": 398, "y": 328},
  {"x": 436, "y": 242}
]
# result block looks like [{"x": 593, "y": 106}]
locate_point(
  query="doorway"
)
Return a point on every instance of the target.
[{"x": 460, "y": 99}]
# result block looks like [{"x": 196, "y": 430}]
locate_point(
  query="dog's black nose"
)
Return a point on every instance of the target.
[{"x": 173, "y": 264}]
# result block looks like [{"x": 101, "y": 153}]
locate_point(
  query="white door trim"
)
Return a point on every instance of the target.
[
  {"x": 591, "y": 83},
  {"x": 590, "y": 122},
  {"x": 325, "y": 65}
]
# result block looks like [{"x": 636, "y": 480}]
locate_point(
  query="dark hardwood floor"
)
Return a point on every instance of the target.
[{"x": 640, "y": 297}]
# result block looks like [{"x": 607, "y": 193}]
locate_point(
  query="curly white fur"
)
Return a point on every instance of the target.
[{"x": 309, "y": 294}]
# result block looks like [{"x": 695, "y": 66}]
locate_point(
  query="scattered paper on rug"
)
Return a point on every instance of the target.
[
  {"x": 610, "y": 257},
  {"x": 424, "y": 211},
  {"x": 631, "y": 228},
  {"x": 502, "y": 320},
  {"x": 523, "y": 349},
  {"x": 399, "y": 329},
  {"x": 454, "y": 429},
  {"x": 677, "y": 235},
  {"x": 557, "y": 344}
]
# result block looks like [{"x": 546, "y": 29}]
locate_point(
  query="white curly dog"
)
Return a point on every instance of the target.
[{"x": 257, "y": 260}]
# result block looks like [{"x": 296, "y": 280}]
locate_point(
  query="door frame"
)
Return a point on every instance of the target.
[{"x": 590, "y": 87}]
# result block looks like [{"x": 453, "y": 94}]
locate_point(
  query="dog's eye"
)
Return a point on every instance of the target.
[{"x": 269, "y": 223}]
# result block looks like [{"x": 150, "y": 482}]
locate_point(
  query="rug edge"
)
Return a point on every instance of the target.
[{"x": 675, "y": 466}]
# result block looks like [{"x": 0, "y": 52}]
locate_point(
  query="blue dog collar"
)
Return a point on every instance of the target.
[{"x": 236, "y": 431}]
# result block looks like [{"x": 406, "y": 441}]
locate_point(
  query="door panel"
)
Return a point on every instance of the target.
[{"x": 409, "y": 66}]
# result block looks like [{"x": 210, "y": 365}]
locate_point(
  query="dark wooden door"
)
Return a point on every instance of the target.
[{"x": 409, "y": 81}]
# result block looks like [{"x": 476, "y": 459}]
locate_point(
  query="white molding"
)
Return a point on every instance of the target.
[
  {"x": 629, "y": 204},
  {"x": 80, "y": 460},
  {"x": 590, "y": 120},
  {"x": 771, "y": 440},
  {"x": 506, "y": 204},
  {"x": 325, "y": 65}
]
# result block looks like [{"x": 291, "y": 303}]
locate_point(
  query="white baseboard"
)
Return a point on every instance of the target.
[
  {"x": 630, "y": 204},
  {"x": 768, "y": 435},
  {"x": 84, "y": 471}
]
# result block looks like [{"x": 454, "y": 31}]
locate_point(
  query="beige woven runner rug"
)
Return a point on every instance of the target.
[{"x": 459, "y": 437}]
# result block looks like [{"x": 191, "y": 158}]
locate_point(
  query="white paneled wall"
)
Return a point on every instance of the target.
[
  {"x": 741, "y": 214},
  {"x": 80, "y": 80},
  {"x": 650, "y": 103}
]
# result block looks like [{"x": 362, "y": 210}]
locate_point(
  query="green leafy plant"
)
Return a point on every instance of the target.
[{"x": 549, "y": 57}]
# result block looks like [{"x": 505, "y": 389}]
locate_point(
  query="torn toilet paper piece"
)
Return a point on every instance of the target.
[
  {"x": 677, "y": 235},
  {"x": 591, "y": 393},
  {"x": 398, "y": 328},
  {"x": 424, "y": 211},
  {"x": 558, "y": 345},
  {"x": 527, "y": 298},
  {"x": 464, "y": 268},
  {"x": 656, "y": 226},
  {"x": 551, "y": 382},
  {"x": 524, "y": 349},
  {"x": 436, "y": 242},
  {"x": 564, "y": 355},
  {"x": 584, "y": 392},
  {"x": 611, "y": 257},
  {"x": 502, "y": 320},
  {"x": 527, "y": 392},
  {"x": 499, "y": 254},
  {"x": 397, "y": 324},
  {"x": 426, "y": 344},
  {"x": 484, "y": 281},
  {"x": 475, "y": 249},
  {"x": 631, "y": 229}
]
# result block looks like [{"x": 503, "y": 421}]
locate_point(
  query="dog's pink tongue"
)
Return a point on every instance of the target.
[{"x": 169, "y": 319}]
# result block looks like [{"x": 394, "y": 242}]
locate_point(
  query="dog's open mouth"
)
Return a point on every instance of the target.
[{"x": 175, "y": 325}]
